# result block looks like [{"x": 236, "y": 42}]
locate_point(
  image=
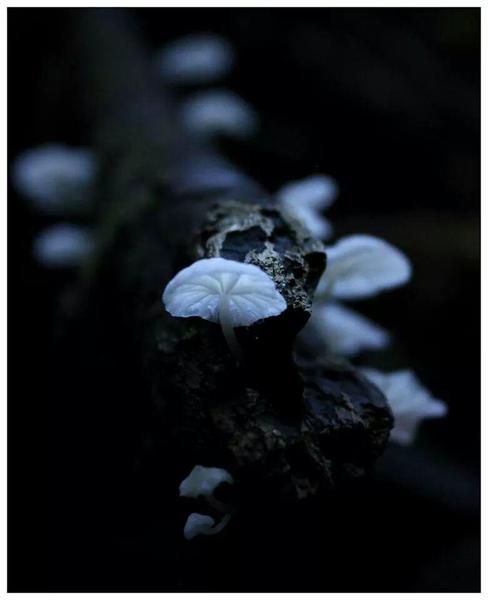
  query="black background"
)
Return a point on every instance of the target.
[{"x": 387, "y": 102}]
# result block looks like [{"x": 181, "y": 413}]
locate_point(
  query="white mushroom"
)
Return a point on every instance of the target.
[
  {"x": 197, "y": 58},
  {"x": 409, "y": 400},
  {"x": 55, "y": 178},
  {"x": 203, "y": 481},
  {"x": 223, "y": 291},
  {"x": 63, "y": 245},
  {"x": 305, "y": 199},
  {"x": 342, "y": 331},
  {"x": 198, "y": 524},
  {"x": 360, "y": 266},
  {"x": 216, "y": 112}
]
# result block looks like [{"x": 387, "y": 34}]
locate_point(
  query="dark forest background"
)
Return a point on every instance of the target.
[{"x": 387, "y": 102}]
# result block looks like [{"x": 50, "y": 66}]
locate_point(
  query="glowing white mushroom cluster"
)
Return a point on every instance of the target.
[
  {"x": 58, "y": 180},
  {"x": 236, "y": 294},
  {"x": 201, "y": 59},
  {"x": 203, "y": 481},
  {"x": 361, "y": 266},
  {"x": 358, "y": 266}
]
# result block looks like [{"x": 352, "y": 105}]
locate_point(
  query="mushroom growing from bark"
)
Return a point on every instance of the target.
[
  {"x": 198, "y": 524},
  {"x": 360, "y": 266},
  {"x": 203, "y": 481},
  {"x": 305, "y": 199},
  {"x": 227, "y": 292},
  {"x": 409, "y": 400}
]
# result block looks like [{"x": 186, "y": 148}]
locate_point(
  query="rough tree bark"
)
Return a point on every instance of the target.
[{"x": 281, "y": 423}]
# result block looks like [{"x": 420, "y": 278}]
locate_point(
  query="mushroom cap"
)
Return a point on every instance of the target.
[
  {"x": 197, "y": 290},
  {"x": 317, "y": 225},
  {"x": 202, "y": 481},
  {"x": 409, "y": 400},
  {"x": 360, "y": 266},
  {"x": 316, "y": 192},
  {"x": 196, "y": 58},
  {"x": 219, "y": 112},
  {"x": 305, "y": 199},
  {"x": 63, "y": 245},
  {"x": 198, "y": 524},
  {"x": 54, "y": 176}
]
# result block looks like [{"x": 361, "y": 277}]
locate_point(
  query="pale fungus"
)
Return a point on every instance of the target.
[
  {"x": 198, "y": 524},
  {"x": 409, "y": 400},
  {"x": 203, "y": 481},
  {"x": 227, "y": 292},
  {"x": 215, "y": 112},
  {"x": 305, "y": 199},
  {"x": 63, "y": 245},
  {"x": 55, "y": 178},
  {"x": 197, "y": 58},
  {"x": 360, "y": 266}
]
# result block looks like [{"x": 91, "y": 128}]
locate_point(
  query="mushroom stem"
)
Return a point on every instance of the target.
[
  {"x": 222, "y": 523},
  {"x": 228, "y": 328}
]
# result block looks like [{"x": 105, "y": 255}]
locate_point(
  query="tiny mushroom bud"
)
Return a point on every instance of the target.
[
  {"x": 343, "y": 331},
  {"x": 223, "y": 291},
  {"x": 360, "y": 266},
  {"x": 198, "y": 524},
  {"x": 305, "y": 199},
  {"x": 63, "y": 245},
  {"x": 197, "y": 58},
  {"x": 55, "y": 178},
  {"x": 202, "y": 481},
  {"x": 219, "y": 112},
  {"x": 409, "y": 400}
]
